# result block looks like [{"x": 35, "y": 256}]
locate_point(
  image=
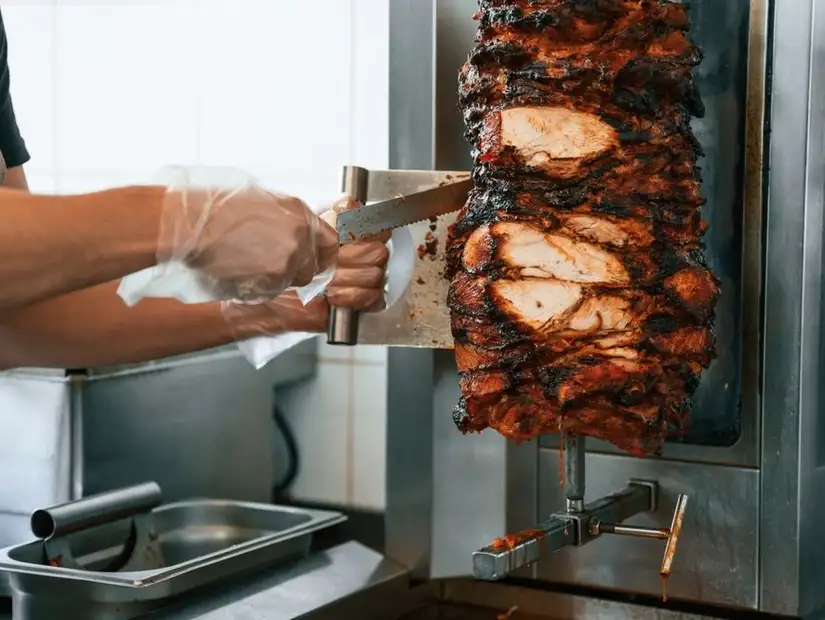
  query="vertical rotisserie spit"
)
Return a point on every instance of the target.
[{"x": 580, "y": 299}]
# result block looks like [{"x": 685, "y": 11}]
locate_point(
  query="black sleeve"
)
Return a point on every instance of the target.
[{"x": 11, "y": 142}]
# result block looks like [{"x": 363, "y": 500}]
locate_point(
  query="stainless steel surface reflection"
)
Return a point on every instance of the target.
[
  {"x": 716, "y": 561},
  {"x": 350, "y": 581},
  {"x": 347, "y": 581},
  {"x": 751, "y": 537},
  {"x": 102, "y": 573},
  {"x": 536, "y": 604}
]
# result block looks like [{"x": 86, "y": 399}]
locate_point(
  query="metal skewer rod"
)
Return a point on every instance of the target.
[
  {"x": 574, "y": 476},
  {"x": 632, "y": 530}
]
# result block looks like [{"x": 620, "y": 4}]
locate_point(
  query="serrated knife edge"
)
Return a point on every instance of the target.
[{"x": 376, "y": 218}]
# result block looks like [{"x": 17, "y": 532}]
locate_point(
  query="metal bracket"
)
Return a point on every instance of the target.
[
  {"x": 56, "y": 525},
  {"x": 638, "y": 497},
  {"x": 581, "y": 523},
  {"x": 141, "y": 552}
]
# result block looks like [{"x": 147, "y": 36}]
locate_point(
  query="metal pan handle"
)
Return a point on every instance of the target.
[
  {"x": 342, "y": 328},
  {"x": 95, "y": 510}
]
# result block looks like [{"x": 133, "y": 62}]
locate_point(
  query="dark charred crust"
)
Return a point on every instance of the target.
[
  {"x": 629, "y": 63},
  {"x": 579, "y": 22},
  {"x": 496, "y": 195},
  {"x": 560, "y": 21},
  {"x": 551, "y": 379},
  {"x": 645, "y": 86},
  {"x": 498, "y": 53},
  {"x": 662, "y": 323}
]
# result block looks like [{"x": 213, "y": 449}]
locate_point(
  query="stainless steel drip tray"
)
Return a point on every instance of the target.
[
  {"x": 193, "y": 535},
  {"x": 121, "y": 555}
]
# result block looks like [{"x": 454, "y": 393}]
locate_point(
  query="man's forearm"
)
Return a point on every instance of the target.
[
  {"x": 93, "y": 328},
  {"x": 50, "y": 245},
  {"x": 16, "y": 178}
]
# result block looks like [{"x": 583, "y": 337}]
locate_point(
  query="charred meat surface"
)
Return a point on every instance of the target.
[{"x": 580, "y": 299}]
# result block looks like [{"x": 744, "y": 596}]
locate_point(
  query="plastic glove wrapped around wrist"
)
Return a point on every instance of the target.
[
  {"x": 233, "y": 239},
  {"x": 263, "y": 331},
  {"x": 264, "y": 328}
]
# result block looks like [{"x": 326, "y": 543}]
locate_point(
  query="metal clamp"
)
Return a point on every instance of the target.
[
  {"x": 581, "y": 523},
  {"x": 55, "y": 525},
  {"x": 638, "y": 497}
]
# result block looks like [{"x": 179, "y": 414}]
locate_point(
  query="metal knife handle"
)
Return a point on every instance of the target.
[{"x": 343, "y": 322}]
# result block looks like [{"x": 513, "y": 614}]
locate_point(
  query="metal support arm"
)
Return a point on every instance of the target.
[{"x": 580, "y": 523}]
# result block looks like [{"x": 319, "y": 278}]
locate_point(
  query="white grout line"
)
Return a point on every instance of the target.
[
  {"x": 196, "y": 68},
  {"x": 353, "y": 82},
  {"x": 55, "y": 98},
  {"x": 353, "y": 95}
]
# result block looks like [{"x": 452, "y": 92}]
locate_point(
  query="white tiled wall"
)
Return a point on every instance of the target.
[{"x": 106, "y": 92}]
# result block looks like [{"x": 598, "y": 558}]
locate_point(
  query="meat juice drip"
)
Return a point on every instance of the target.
[
  {"x": 506, "y": 615},
  {"x": 510, "y": 541},
  {"x": 664, "y": 579}
]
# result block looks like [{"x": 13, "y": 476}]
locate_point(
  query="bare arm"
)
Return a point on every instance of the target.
[
  {"x": 93, "y": 327},
  {"x": 16, "y": 178},
  {"x": 51, "y": 245}
]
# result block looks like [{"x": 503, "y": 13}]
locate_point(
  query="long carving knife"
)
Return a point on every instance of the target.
[
  {"x": 422, "y": 204},
  {"x": 372, "y": 219}
]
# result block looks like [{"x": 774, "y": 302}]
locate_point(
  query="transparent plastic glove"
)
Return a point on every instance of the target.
[
  {"x": 358, "y": 283},
  {"x": 245, "y": 242},
  {"x": 360, "y": 277},
  {"x": 286, "y": 313}
]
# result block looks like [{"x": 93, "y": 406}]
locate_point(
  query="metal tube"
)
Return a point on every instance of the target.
[
  {"x": 342, "y": 328},
  {"x": 505, "y": 556},
  {"x": 632, "y": 530},
  {"x": 77, "y": 383},
  {"x": 574, "y": 472},
  {"x": 95, "y": 510}
]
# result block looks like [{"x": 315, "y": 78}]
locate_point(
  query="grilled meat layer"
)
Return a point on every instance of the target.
[{"x": 580, "y": 299}]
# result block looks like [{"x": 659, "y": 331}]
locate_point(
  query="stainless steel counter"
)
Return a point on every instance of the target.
[
  {"x": 342, "y": 575},
  {"x": 353, "y": 581},
  {"x": 304, "y": 590}
]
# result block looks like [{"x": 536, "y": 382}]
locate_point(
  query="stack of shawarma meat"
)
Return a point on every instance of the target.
[{"x": 580, "y": 298}]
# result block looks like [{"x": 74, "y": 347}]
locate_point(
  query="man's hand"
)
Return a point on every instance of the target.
[
  {"x": 358, "y": 284},
  {"x": 252, "y": 244},
  {"x": 361, "y": 273}
]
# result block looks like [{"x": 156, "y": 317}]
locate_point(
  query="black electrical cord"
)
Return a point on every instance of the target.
[{"x": 280, "y": 488}]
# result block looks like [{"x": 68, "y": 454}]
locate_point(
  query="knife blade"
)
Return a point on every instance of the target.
[{"x": 370, "y": 220}]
